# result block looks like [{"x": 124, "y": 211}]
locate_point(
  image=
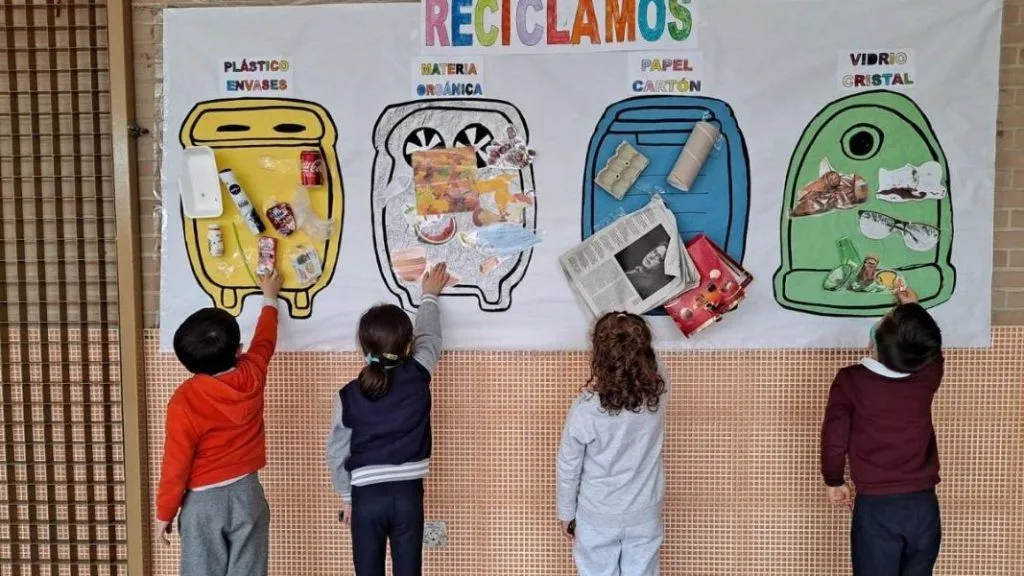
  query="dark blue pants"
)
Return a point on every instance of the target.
[
  {"x": 897, "y": 535},
  {"x": 392, "y": 511}
]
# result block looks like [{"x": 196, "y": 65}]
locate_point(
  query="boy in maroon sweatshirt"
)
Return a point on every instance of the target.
[{"x": 879, "y": 416}]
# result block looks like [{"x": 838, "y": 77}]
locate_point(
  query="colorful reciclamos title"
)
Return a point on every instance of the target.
[{"x": 524, "y": 26}]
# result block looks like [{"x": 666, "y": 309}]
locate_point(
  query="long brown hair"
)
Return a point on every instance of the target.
[
  {"x": 623, "y": 368},
  {"x": 385, "y": 333}
]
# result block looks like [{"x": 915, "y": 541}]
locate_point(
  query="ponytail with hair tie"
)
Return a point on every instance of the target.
[
  {"x": 383, "y": 358},
  {"x": 385, "y": 336}
]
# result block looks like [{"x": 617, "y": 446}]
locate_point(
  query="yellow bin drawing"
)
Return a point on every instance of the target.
[{"x": 260, "y": 140}]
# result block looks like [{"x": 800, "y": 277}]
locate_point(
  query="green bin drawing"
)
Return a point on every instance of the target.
[{"x": 867, "y": 204}]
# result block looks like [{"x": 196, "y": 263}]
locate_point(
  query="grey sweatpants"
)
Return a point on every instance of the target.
[
  {"x": 623, "y": 551},
  {"x": 225, "y": 531}
]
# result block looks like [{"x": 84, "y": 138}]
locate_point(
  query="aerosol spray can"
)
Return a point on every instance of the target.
[
  {"x": 242, "y": 202},
  {"x": 216, "y": 240}
]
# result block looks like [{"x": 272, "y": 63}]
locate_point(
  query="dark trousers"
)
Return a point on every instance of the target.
[
  {"x": 392, "y": 511},
  {"x": 897, "y": 535}
]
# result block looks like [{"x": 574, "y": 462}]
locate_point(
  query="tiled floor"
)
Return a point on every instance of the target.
[{"x": 744, "y": 496}]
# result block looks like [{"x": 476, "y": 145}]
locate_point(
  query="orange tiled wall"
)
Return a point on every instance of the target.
[{"x": 744, "y": 497}]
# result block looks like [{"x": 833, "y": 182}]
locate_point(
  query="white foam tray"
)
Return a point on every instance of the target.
[{"x": 199, "y": 183}]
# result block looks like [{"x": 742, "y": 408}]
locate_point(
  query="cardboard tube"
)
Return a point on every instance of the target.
[{"x": 692, "y": 158}]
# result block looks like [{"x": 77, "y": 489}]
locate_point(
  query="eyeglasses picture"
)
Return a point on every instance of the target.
[{"x": 917, "y": 237}]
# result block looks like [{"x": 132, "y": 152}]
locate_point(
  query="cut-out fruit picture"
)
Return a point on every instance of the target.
[
  {"x": 437, "y": 230},
  {"x": 885, "y": 190}
]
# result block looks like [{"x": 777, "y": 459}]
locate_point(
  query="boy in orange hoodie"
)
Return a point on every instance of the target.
[{"x": 215, "y": 444}]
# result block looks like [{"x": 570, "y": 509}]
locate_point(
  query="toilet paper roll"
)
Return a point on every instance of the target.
[{"x": 696, "y": 151}]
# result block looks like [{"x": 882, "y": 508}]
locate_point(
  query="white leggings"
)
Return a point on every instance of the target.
[{"x": 625, "y": 551}]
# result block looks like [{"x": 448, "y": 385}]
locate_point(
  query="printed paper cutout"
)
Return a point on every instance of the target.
[
  {"x": 488, "y": 265},
  {"x": 409, "y": 264},
  {"x": 917, "y": 237},
  {"x": 831, "y": 191},
  {"x": 510, "y": 152},
  {"x": 911, "y": 183},
  {"x": 622, "y": 170},
  {"x": 856, "y": 275},
  {"x": 445, "y": 180},
  {"x": 306, "y": 264},
  {"x": 436, "y": 230},
  {"x": 498, "y": 202}
]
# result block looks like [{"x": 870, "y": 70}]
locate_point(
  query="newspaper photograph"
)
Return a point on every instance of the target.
[{"x": 636, "y": 264}]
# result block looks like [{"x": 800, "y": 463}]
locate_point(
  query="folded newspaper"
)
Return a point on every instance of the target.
[{"x": 635, "y": 264}]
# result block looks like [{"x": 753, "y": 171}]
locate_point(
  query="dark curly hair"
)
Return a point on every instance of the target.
[{"x": 623, "y": 368}]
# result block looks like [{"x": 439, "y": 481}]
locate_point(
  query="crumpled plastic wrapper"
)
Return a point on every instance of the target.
[{"x": 306, "y": 218}]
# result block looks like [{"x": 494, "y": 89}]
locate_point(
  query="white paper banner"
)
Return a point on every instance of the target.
[{"x": 827, "y": 196}]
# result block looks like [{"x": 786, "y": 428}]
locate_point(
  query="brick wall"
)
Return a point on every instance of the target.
[{"x": 1008, "y": 258}]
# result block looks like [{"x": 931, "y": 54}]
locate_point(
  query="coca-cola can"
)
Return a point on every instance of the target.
[{"x": 312, "y": 168}]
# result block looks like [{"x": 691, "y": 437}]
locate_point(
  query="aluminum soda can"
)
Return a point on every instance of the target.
[
  {"x": 312, "y": 168},
  {"x": 215, "y": 239}
]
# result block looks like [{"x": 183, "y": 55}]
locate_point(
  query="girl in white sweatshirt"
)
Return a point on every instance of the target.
[{"x": 611, "y": 478}]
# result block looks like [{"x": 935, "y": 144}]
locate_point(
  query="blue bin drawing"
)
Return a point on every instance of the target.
[{"x": 658, "y": 127}]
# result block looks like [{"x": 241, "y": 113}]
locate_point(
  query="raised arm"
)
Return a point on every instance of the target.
[
  {"x": 336, "y": 453},
  {"x": 264, "y": 340},
  {"x": 427, "y": 347},
  {"x": 835, "y": 432},
  {"x": 569, "y": 466}
]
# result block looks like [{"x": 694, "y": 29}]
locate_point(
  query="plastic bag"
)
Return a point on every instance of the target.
[{"x": 306, "y": 218}]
